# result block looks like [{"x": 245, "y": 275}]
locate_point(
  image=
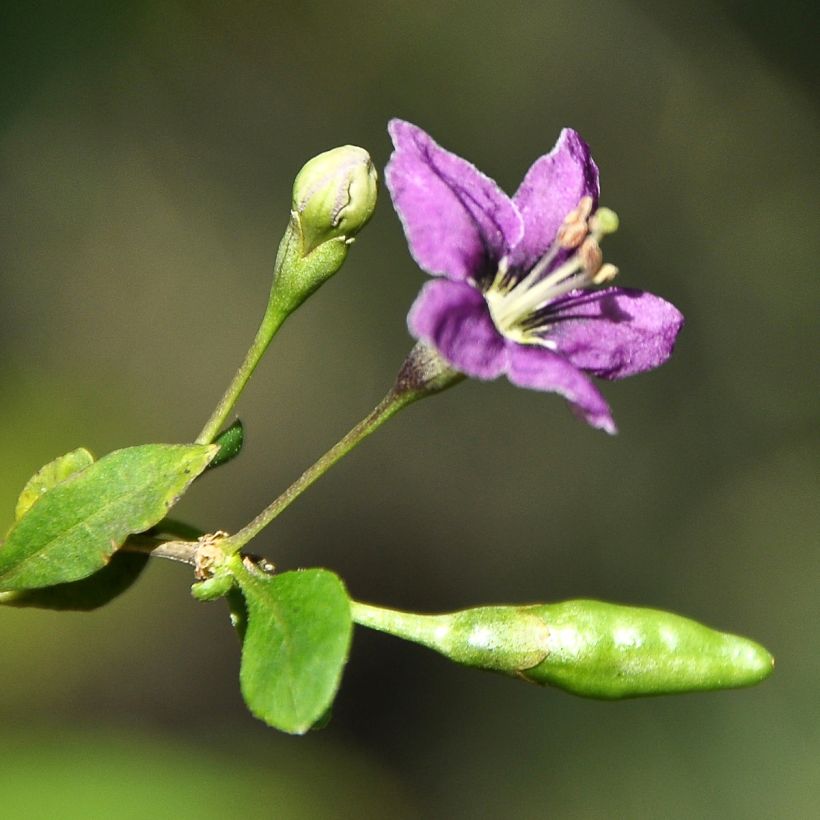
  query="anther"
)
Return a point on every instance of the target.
[
  {"x": 574, "y": 227},
  {"x": 591, "y": 256},
  {"x": 606, "y": 273},
  {"x": 571, "y": 234},
  {"x": 581, "y": 211}
]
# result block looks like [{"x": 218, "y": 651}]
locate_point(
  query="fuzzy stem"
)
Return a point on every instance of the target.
[
  {"x": 385, "y": 409},
  {"x": 182, "y": 551},
  {"x": 423, "y": 373},
  {"x": 426, "y": 630},
  {"x": 272, "y": 321}
]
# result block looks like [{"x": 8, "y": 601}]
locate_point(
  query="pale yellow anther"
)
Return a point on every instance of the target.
[{"x": 606, "y": 274}]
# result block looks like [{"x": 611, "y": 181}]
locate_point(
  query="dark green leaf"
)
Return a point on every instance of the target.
[
  {"x": 296, "y": 644},
  {"x": 230, "y": 442},
  {"x": 49, "y": 476},
  {"x": 89, "y": 593},
  {"x": 76, "y": 526}
]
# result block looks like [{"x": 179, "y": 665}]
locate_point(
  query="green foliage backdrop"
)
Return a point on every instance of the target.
[{"x": 146, "y": 155}]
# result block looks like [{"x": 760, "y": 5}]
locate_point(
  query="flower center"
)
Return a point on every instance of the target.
[{"x": 518, "y": 305}]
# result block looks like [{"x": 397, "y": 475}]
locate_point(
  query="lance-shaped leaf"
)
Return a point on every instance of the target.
[
  {"x": 49, "y": 476},
  {"x": 75, "y": 527},
  {"x": 98, "y": 589},
  {"x": 296, "y": 642}
]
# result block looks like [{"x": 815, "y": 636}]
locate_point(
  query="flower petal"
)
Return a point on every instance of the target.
[
  {"x": 458, "y": 222},
  {"x": 551, "y": 189},
  {"x": 540, "y": 369},
  {"x": 453, "y": 317},
  {"x": 616, "y": 332}
]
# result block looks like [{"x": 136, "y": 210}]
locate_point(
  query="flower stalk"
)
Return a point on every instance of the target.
[
  {"x": 271, "y": 322},
  {"x": 334, "y": 196},
  {"x": 423, "y": 373}
]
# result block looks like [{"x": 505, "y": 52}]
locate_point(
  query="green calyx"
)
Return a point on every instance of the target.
[{"x": 296, "y": 275}]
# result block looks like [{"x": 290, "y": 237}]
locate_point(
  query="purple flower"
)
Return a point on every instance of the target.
[{"x": 513, "y": 295}]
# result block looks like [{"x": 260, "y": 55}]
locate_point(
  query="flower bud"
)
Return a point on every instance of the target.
[
  {"x": 602, "y": 650},
  {"x": 334, "y": 195}
]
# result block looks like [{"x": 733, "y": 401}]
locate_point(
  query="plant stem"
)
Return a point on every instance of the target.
[
  {"x": 181, "y": 551},
  {"x": 385, "y": 409},
  {"x": 427, "y": 630},
  {"x": 272, "y": 321}
]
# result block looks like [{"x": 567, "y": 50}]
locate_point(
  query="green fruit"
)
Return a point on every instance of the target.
[{"x": 602, "y": 650}]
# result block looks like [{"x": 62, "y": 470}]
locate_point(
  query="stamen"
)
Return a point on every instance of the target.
[
  {"x": 571, "y": 234},
  {"x": 591, "y": 256},
  {"x": 606, "y": 274},
  {"x": 525, "y": 297},
  {"x": 581, "y": 211},
  {"x": 514, "y": 306},
  {"x": 574, "y": 227},
  {"x": 497, "y": 284}
]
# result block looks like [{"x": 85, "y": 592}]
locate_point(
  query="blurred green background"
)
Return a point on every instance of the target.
[{"x": 146, "y": 155}]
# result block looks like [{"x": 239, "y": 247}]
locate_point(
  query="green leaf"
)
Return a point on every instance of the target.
[
  {"x": 230, "y": 442},
  {"x": 89, "y": 593},
  {"x": 74, "y": 528},
  {"x": 49, "y": 476},
  {"x": 296, "y": 643}
]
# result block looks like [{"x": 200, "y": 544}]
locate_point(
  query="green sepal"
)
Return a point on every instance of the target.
[
  {"x": 87, "y": 594},
  {"x": 296, "y": 642},
  {"x": 296, "y": 276},
  {"x": 230, "y": 442},
  {"x": 213, "y": 588},
  {"x": 608, "y": 651},
  {"x": 49, "y": 476},
  {"x": 74, "y": 528}
]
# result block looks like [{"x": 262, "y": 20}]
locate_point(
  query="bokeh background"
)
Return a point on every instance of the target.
[{"x": 146, "y": 155}]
